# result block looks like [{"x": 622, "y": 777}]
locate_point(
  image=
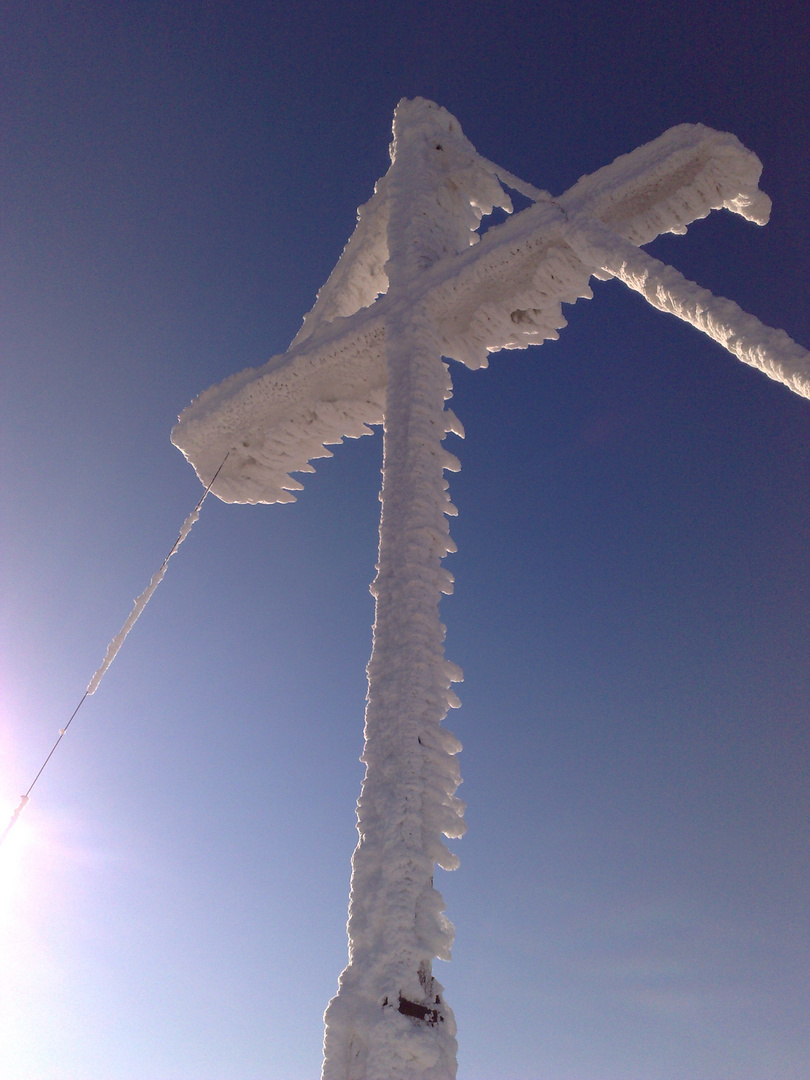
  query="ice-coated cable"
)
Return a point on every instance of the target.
[{"x": 118, "y": 641}]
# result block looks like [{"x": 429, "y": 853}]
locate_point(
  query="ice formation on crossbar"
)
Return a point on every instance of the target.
[{"x": 417, "y": 284}]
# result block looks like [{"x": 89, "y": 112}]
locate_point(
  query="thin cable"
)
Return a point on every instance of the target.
[{"x": 118, "y": 640}]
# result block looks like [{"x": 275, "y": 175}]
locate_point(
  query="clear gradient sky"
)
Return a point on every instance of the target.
[{"x": 632, "y": 595}]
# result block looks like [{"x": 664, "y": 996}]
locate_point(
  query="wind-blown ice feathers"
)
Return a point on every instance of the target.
[{"x": 504, "y": 292}]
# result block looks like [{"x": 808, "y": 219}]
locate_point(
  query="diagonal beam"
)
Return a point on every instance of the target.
[{"x": 770, "y": 351}]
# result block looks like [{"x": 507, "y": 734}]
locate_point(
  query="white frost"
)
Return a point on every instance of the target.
[
  {"x": 142, "y": 601},
  {"x": 389, "y": 1019},
  {"x": 504, "y": 292},
  {"x": 770, "y": 351},
  {"x": 417, "y": 283}
]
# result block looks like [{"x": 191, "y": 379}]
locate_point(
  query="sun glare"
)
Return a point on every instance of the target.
[{"x": 14, "y": 853}]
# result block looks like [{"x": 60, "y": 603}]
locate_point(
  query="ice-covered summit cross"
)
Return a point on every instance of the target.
[{"x": 415, "y": 285}]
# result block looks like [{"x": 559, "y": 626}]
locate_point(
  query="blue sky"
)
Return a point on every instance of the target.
[{"x": 631, "y": 609}]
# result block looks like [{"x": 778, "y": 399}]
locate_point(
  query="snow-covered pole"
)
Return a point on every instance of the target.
[
  {"x": 407, "y": 291},
  {"x": 389, "y": 1020}
]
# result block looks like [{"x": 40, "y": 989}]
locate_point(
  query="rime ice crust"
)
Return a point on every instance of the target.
[
  {"x": 770, "y": 351},
  {"x": 415, "y": 284},
  {"x": 505, "y": 292},
  {"x": 389, "y": 1019}
]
